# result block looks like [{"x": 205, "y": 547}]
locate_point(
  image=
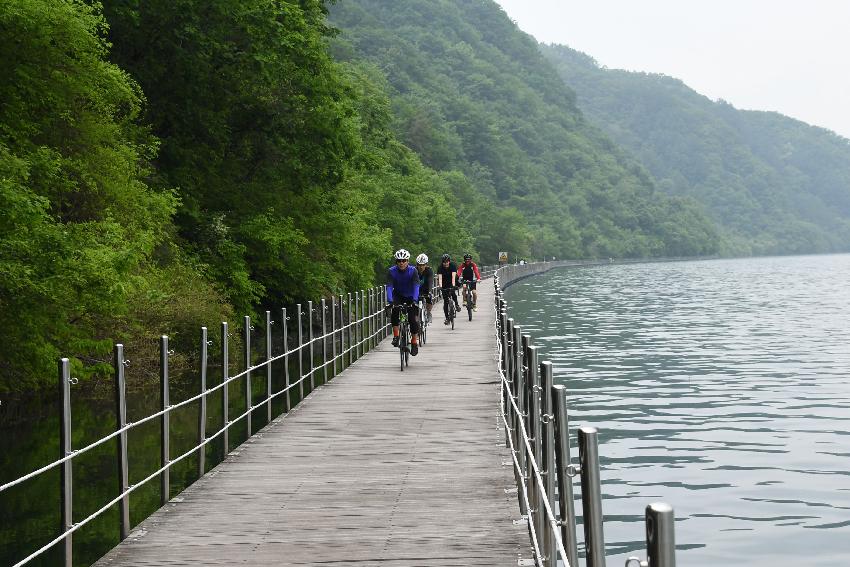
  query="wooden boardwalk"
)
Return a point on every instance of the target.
[{"x": 378, "y": 467}]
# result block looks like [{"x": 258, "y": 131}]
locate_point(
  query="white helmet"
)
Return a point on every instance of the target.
[
  {"x": 422, "y": 259},
  {"x": 402, "y": 254}
]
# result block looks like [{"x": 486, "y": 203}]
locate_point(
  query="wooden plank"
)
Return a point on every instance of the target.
[{"x": 378, "y": 467}]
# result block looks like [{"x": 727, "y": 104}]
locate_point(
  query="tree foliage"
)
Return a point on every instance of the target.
[
  {"x": 79, "y": 226},
  {"x": 471, "y": 94}
]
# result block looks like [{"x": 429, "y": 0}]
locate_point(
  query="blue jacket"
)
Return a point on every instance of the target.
[{"x": 403, "y": 283}]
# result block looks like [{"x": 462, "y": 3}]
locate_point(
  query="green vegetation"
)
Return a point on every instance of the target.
[
  {"x": 775, "y": 185},
  {"x": 85, "y": 241},
  {"x": 472, "y": 94},
  {"x": 166, "y": 164}
]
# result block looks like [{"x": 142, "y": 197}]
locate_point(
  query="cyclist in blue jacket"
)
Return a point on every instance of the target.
[{"x": 403, "y": 293}]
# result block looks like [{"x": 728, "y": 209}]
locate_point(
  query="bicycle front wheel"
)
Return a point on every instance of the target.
[{"x": 402, "y": 345}]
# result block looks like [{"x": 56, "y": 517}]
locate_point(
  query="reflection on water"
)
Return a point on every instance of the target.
[{"x": 721, "y": 387}]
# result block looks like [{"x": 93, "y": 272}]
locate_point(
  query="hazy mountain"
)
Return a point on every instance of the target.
[{"x": 774, "y": 184}]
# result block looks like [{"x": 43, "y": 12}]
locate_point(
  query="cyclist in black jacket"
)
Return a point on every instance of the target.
[{"x": 447, "y": 274}]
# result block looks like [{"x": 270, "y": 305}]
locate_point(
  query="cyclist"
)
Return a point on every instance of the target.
[
  {"x": 403, "y": 293},
  {"x": 447, "y": 274},
  {"x": 468, "y": 272},
  {"x": 426, "y": 276}
]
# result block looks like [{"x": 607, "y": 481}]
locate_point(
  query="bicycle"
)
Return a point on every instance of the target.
[
  {"x": 450, "y": 305},
  {"x": 468, "y": 297},
  {"x": 404, "y": 337},
  {"x": 423, "y": 321}
]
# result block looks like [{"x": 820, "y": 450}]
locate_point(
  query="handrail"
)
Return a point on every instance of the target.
[
  {"x": 366, "y": 320},
  {"x": 553, "y": 521},
  {"x": 543, "y": 453}
]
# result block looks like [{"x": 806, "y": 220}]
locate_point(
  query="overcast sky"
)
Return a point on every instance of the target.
[{"x": 785, "y": 55}]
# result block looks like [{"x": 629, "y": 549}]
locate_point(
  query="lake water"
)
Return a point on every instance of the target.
[{"x": 721, "y": 387}]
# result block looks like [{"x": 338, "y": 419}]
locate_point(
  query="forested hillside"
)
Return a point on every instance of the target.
[
  {"x": 214, "y": 159},
  {"x": 774, "y": 184},
  {"x": 470, "y": 92},
  {"x": 171, "y": 163}
]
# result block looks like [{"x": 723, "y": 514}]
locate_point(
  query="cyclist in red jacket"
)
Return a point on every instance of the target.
[{"x": 468, "y": 272}]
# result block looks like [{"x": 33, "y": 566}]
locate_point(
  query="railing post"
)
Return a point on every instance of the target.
[
  {"x": 534, "y": 415},
  {"x": 349, "y": 308},
  {"x": 310, "y": 364},
  {"x": 269, "y": 366},
  {"x": 382, "y": 317},
  {"x": 202, "y": 410},
  {"x": 565, "y": 482},
  {"x": 333, "y": 336},
  {"x": 164, "y": 424},
  {"x": 120, "y": 423},
  {"x": 371, "y": 325},
  {"x": 225, "y": 397},
  {"x": 548, "y": 466},
  {"x": 375, "y": 320},
  {"x": 246, "y": 338},
  {"x": 514, "y": 416},
  {"x": 284, "y": 323},
  {"x": 67, "y": 485},
  {"x": 300, "y": 354},
  {"x": 506, "y": 392},
  {"x": 341, "y": 333},
  {"x": 526, "y": 393},
  {"x": 520, "y": 418},
  {"x": 660, "y": 535},
  {"x": 324, "y": 342},
  {"x": 591, "y": 497},
  {"x": 358, "y": 317}
]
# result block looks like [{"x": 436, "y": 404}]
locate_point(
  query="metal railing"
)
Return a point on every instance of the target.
[
  {"x": 350, "y": 326},
  {"x": 535, "y": 418}
]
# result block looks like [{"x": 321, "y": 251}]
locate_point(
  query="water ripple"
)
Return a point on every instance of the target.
[{"x": 720, "y": 387}]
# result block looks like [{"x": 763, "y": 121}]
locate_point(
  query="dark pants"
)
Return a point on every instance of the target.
[
  {"x": 412, "y": 313},
  {"x": 449, "y": 294}
]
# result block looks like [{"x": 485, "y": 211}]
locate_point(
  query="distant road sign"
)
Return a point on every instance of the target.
[{"x": 503, "y": 257}]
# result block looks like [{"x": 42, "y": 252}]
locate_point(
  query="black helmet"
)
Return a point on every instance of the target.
[
  {"x": 467, "y": 256},
  {"x": 446, "y": 258}
]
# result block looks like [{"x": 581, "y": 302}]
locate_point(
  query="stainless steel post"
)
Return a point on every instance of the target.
[
  {"x": 660, "y": 535},
  {"x": 269, "y": 366},
  {"x": 333, "y": 336},
  {"x": 310, "y": 363},
  {"x": 520, "y": 418},
  {"x": 506, "y": 407},
  {"x": 284, "y": 323},
  {"x": 349, "y": 310},
  {"x": 371, "y": 318},
  {"x": 67, "y": 485},
  {"x": 324, "y": 342},
  {"x": 383, "y": 302},
  {"x": 225, "y": 397},
  {"x": 565, "y": 482},
  {"x": 202, "y": 410},
  {"x": 164, "y": 424},
  {"x": 526, "y": 392},
  {"x": 513, "y": 416},
  {"x": 341, "y": 333},
  {"x": 548, "y": 466},
  {"x": 358, "y": 317},
  {"x": 300, "y": 354},
  {"x": 246, "y": 338},
  {"x": 121, "y": 421},
  {"x": 591, "y": 497},
  {"x": 536, "y": 426}
]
